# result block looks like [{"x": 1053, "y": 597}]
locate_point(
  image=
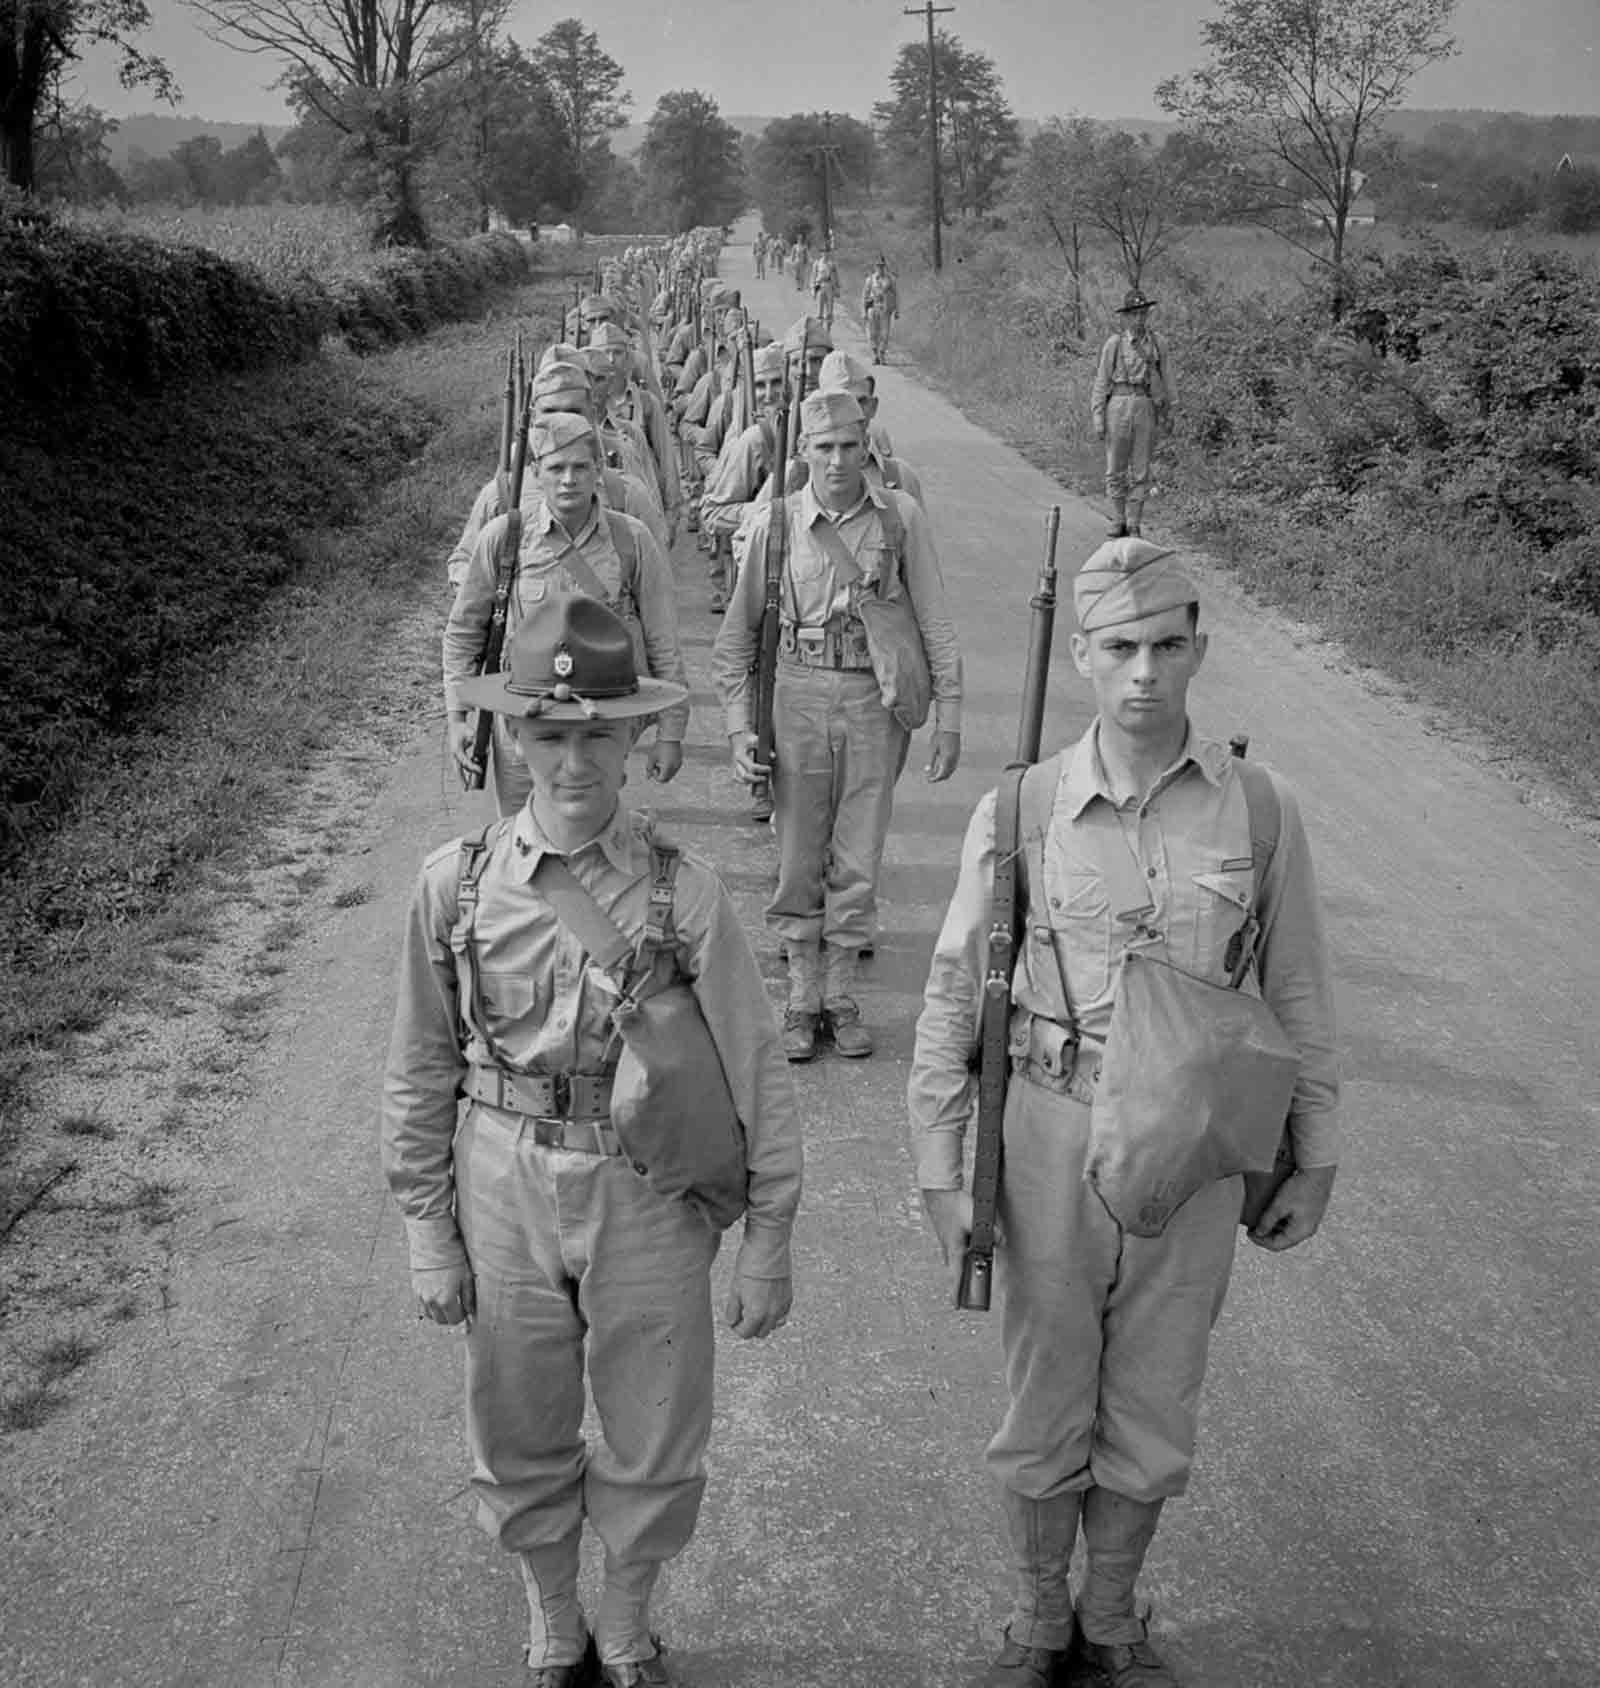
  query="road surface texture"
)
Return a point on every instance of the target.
[{"x": 264, "y": 1484}]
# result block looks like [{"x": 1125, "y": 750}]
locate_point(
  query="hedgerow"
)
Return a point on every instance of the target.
[
  {"x": 83, "y": 311},
  {"x": 142, "y": 537}
]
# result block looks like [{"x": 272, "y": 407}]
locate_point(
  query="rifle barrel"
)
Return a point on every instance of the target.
[{"x": 1041, "y": 634}]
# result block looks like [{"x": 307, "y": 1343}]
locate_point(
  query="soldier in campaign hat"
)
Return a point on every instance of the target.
[
  {"x": 569, "y": 1229},
  {"x": 1143, "y": 841},
  {"x": 1130, "y": 404}
]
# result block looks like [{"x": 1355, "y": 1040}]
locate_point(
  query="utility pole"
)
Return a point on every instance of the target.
[
  {"x": 930, "y": 11},
  {"x": 825, "y": 163}
]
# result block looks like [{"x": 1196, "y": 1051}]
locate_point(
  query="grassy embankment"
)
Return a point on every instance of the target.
[
  {"x": 1429, "y": 500},
  {"x": 259, "y": 538}
]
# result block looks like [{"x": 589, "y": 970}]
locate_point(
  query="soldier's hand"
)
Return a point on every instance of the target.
[
  {"x": 757, "y": 1306},
  {"x": 745, "y": 765},
  {"x": 1296, "y": 1211},
  {"x": 945, "y": 755},
  {"x": 446, "y": 1295},
  {"x": 950, "y": 1216},
  {"x": 461, "y": 737},
  {"x": 664, "y": 761}
]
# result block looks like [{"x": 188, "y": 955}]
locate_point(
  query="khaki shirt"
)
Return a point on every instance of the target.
[
  {"x": 1191, "y": 843},
  {"x": 546, "y": 546},
  {"x": 813, "y": 592},
  {"x": 1132, "y": 359},
  {"x": 546, "y": 1010}
]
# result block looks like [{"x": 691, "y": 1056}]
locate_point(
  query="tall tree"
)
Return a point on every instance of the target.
[
  {"x": 692, "y": 163},
  {"x": 1295, "y": 91},
  {"x": 785, "y": 168},
  {"x": 360, "y": 65},
  {"x": 978, "y": 135},
  {"x": 586, "y": 84},
  {"x": 38, "y": 38},
  {"x": 72, "y": 155}
]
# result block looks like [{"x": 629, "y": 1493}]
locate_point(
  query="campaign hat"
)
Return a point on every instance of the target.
[
  {"x": 571, "y": 659},
  {"x": 1134, "y": 300}
]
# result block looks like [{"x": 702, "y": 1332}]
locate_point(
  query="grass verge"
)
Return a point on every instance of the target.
[{"x": 174, "y": 842}]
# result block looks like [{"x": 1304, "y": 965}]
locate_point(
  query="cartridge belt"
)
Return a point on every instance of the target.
[
  {"x": 1053, "y": 1057},
  {"x": 840, "y": 644},
  {"x": 568, "y": 1110}
]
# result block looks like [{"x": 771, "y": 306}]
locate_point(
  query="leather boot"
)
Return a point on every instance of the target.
[
  {"x": 841, "y": 1016},
  {"x": 801, "y": 1016},
  {"x": 1117, "y": 1533},
  {"x": 1041, "y": 1534},
  {"x": 1119, "y": 519}
]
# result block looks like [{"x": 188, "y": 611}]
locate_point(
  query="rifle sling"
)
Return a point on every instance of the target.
[{"x": 995, "y": 1025}]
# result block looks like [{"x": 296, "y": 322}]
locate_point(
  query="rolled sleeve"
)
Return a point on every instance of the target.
[
  {"x": 942, "y": 1086},
  {"x": 727, "y": 983},
  {"x": 424, "y": 1073},
  {"x": 658, "y": 613},
  {"x": 739, "y": 637},
  {"x": 925, "y": 586},
  {"x": 1297, "y": 983},
  {"x": 485, "y": 507},
  {"x": 467, "y": 626}
]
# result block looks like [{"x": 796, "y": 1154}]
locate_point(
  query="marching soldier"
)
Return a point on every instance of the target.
[
  {"x": 841, "y": 373},
  {"x": 628, "y": 399},
  {"x": 1145, "y": 840},
  {"x": 570, "y": 1221},
  {"x": 1130, "y": 404},
  {"x": 825, "y": 287},
  {"x": 569, "y": 543},
  {"x": 840, "y": 745},
  {"x": 800, "y": 257},
  {"x": 880, "y": 305},
  {"x": 558, "y": 387}
]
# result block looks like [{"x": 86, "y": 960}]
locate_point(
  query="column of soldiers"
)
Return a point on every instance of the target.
[{"x": 586, "y": 1082}]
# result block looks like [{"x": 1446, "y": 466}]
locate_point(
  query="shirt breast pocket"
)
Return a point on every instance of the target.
[
  {"x": 512, "y": 1000},
  {"x": 1080, "y": 922},
  {"x": 1222, "y": 906}
]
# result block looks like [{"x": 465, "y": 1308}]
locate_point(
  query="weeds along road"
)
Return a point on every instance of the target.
[{"x": 264, "y": 1484}]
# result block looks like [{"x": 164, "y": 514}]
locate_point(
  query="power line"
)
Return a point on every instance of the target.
[{"x": 930, "y": 11}]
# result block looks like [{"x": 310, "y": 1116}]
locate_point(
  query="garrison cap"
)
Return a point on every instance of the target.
[
  {"x": 607, "y": 334},
  {"x": 559, "y": 430},
  {"x": 1128, "y": 579},
  {"x": 767, "y": 361},
  {"x": 561, "y": 378},
  {"x": 807, "y": 334},
  {"x": 824, "y": 410},
  {"x": 571, "y": 659},
  {"x": 593, "y": 305},
  {"x": 842, "y": 373},
  {"x": 563, "y": 351}
]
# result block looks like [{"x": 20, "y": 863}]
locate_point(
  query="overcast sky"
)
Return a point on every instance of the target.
[{"x": 771, "y": 57}]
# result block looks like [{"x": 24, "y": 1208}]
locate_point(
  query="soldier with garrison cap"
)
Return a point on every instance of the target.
[
  {"x": 863, "y": 607},
  {"x": 841, "y": 373},
  {"x": 1143, "y": 841},
  {"x": 570, "y": 1219},
  {"x": 569, "y": 542}
]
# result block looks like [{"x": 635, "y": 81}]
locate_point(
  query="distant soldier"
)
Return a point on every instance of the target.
[
  {"x": 825, "y": 287},
  {"x": 760, "y": 251},
  {"x": 800, "y": 257},
  {"x": 880, "y": 305},
  {"x": 1131, "y": 403}
]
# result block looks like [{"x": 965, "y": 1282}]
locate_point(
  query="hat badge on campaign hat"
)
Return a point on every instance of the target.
[
  {"x": 1134, "y": 300},
  {"x": 571, "y": 659}
]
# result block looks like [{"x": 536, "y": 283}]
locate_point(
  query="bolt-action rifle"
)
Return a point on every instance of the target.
[
  {"x": 772, "y": 599},
  {"x": 508, "y": 417},
  {"x": 994, "y": 1062},
  {"x": 505, "y": 578}
]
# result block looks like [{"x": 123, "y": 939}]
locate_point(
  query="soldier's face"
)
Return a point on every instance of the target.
[
  {"x": 567, "y": 478},
  {"x": 769, "y": 392},
  {"x": 835, "y": 457},
  {"x": 577, "y": 767},
  {"x": 1140, "y": 671}
]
